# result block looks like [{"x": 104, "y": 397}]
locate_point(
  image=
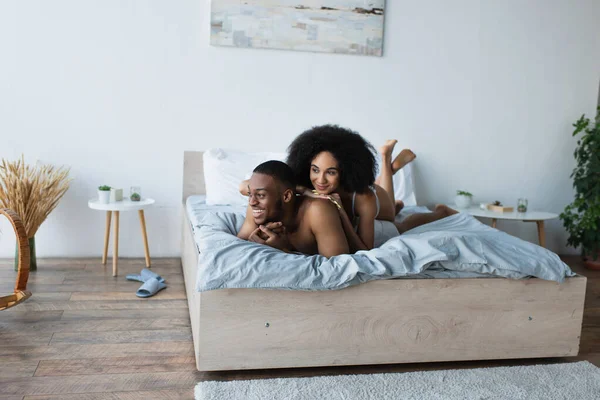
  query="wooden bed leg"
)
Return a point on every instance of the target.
[
  {"x": 541, "y": 233},
  {"x": 116, "y": 244},
  {"x": 145, "y": 236},
  {"x": 106, "y": 236},
  {"x": 494, "y": 222}
]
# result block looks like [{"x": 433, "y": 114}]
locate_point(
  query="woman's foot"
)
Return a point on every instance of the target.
[
  {"x": 405, "y": 157},
  {"x": 399, "y": 206},
  {"x": 387, "y": 149}
]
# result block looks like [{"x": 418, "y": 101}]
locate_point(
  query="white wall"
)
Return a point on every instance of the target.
[{"x": 484, "y": 92}]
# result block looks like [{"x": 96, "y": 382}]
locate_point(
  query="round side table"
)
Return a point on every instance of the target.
[
  {"x": 115, "y": 208},
  {"x": 530, "y": 216}
]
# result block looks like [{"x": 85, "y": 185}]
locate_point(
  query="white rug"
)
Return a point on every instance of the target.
[{"x": 578, "y": 381}]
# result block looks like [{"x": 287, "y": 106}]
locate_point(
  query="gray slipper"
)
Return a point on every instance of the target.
[
  {"x": 150, "y": 288},
  {"x": 144, "y": 276}
]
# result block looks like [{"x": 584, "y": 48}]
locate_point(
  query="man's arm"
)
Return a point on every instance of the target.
[
  {"x": 326, "y": 225},
  {"x": 249, "y": 225}
]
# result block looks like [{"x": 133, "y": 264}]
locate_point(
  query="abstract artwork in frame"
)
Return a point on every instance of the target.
[{"x": 331, "y": 26}]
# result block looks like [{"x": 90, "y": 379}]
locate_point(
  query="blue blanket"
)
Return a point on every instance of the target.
[{"x": 458, "y": 244}]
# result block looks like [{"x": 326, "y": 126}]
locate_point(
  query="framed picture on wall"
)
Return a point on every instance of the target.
[{"x": 330, "y": 26}]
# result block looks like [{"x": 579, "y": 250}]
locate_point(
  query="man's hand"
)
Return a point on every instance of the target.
[
  {"x": 276, "y": 227},
  {"x": 276, "y": 237}
]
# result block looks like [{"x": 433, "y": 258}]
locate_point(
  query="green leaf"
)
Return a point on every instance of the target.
[{"x": 581, "y": 218}]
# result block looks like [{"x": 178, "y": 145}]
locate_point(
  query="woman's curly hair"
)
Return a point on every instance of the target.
[{"x": 354, "y": 154}]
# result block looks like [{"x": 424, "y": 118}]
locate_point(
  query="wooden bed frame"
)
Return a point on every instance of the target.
[{"x": 379, "y": 322}]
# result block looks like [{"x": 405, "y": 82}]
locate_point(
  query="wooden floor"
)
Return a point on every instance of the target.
[{"x": 84, "y": 331}]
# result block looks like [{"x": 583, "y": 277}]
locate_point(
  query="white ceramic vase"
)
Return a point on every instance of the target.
[
  {"x": 104, "y": 196},
  {"x": 462, "y": 201}
]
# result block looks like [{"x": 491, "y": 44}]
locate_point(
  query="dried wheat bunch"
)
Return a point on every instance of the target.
[{"x": 32, "y": 191}]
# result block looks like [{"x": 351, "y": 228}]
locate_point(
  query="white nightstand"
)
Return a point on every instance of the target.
[
  {"x": 116, "y": 208},
  {"x": 530, "y": 216}
]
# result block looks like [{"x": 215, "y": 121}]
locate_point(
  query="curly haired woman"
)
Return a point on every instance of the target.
[{"x": 340, "y": 164}]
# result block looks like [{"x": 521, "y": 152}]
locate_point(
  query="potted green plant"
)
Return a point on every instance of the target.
[
  {"x": 463, "y": 199},
  {"x": 104, "y": 194},
  {"x": 581, "y": 218}
]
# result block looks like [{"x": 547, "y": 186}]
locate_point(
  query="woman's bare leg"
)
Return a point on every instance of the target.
[
  {"x": 399, "y": 206},
  {"x": 405, "y": 157},
  {"x": 389, "y": 168},
  {"x": 414, "y": 220},
  {"x": 385, "y": 175}
]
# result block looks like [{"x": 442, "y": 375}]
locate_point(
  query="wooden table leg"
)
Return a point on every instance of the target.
[
  {"x": 116, "y": 244},
  {"x": 494, "y": 222},
  {"x": 145, "y": 236},
  {"x": 541, "y": 233},
  {"x": 106, "y": 236}
]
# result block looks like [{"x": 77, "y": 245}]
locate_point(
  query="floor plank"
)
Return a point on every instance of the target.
[
  {"x": 97, "y": 383},
  {"x": 75, "y": 351},
  {"x": 74, "y": 262},
  {"x": 75, "y": 279},
  {"x": 40, "y": 297},
  {"x": 93, "y": 274},
  {"x": 115, "y": 366},
  {"x": 24, "y": 338},
  {"x": 178, "y": 394},
  {"x": 145, "y": 336},
  {"x": 132, "y": 313},
  {"x": 18, "y": 369},
  {"x": 134, "y": 304},
  {"x": 116, "y": 286},
  {"x": 11, "y": 276},
  {"x": 30, "y": 316},
  {"x": 162, "y": 295},
  {"x": 95, "y": 325}
]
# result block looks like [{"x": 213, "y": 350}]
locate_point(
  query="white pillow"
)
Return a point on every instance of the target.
[
  {"x": 404, "y": 187},
  {"x": 224, "y": 170}
]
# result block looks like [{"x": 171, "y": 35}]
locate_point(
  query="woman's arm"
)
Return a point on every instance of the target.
[
  {"x": 356, "y": 241},
  {"x": 366, "y": 208},
  {"x": 244, "y": 187}
]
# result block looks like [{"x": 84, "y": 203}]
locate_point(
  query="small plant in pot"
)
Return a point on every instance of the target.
[
  {"x": 104, "y": 194},
  {"x": 581, "y": 218},
  {"x": 463, "y": 199}
]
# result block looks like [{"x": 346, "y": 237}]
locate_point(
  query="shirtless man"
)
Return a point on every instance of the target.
[{"x": 278, "y": 218}]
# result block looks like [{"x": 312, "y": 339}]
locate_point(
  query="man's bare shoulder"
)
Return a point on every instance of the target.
[
  {"x": 323, "y": 219},
  {"x": 318, "y": 208}
]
